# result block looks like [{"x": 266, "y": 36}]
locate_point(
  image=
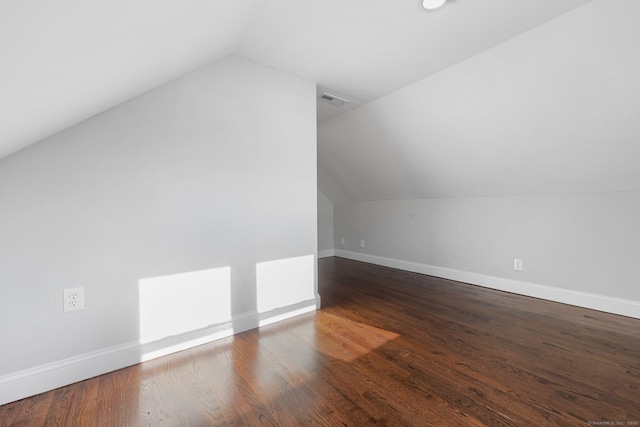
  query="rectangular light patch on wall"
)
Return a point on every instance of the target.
[
  {"x": 285, "y": 282},
  {"x": 180, "y": 303}
]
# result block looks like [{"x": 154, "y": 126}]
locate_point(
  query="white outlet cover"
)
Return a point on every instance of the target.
[
  {"x": 73, "y": 299},
  {"x": 362, "y": 243},
  {"x": 518, "y": 264}
]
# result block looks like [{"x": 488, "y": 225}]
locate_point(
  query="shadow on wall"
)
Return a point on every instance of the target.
[{"x": 179, "y": 311}]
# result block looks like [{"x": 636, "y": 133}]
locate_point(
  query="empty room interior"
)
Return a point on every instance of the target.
[{"x": 340, "y": 213}]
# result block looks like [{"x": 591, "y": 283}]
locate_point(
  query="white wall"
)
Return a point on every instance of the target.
[
  {"x": 527, "y": 150},
  {"x": 582, "y": 242},
  {"x": 325, "y": 225},
  {"x": 214, "y": 170}
]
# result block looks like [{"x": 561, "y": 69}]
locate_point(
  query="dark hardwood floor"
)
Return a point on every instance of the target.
[{"x": 387, "y": 348}]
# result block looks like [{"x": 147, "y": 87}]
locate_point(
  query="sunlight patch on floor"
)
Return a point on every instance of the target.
[{"x": 348, "y": 340}]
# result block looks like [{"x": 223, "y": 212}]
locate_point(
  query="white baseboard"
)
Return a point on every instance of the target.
[
  {"x": 325, "y": 253},
  {"x": 607, "y": 304},
  {"x": 47, "y": 377}
]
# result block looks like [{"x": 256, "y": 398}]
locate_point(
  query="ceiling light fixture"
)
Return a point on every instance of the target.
[{"x": 432, "y": 4}]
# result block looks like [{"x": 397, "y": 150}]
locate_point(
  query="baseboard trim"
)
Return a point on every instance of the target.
[
  {"x": 604, "y": 303},
  {"x": 325, "y": 253},
  {"x": 40, "y": 379}
]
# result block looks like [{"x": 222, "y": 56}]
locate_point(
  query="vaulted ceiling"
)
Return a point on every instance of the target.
[
  {"x": 478, "y": 98},
  {"x": 66, "y": 60},
  {"x": 553, "y": 111}
]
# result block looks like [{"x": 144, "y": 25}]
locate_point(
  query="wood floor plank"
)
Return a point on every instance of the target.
[
  {"x": 88, "y": 404},
  {"x": 388, "y": 348}
]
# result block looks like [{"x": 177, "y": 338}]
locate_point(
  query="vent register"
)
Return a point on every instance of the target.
[{"x": 333, "y": 100}]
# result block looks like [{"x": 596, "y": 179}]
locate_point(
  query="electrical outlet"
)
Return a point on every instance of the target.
[
  {"x": 73, "y": 299},
  {"x": 362, "y": 243},
  {"x": 518, "y": 264},
  {"x": 342, "y": 241}
]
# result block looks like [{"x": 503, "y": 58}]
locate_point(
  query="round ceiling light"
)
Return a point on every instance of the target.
[{"x": 432, "y": 4}]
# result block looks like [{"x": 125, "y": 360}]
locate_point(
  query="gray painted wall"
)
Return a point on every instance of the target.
[
  {"x": 216, "y": 169},
  {"x": 583, "y": 242},
  {"x": 325, "y": 222}
]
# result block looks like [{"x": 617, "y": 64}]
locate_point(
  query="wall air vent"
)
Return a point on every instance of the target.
[{"x": 333, "y": 100}]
